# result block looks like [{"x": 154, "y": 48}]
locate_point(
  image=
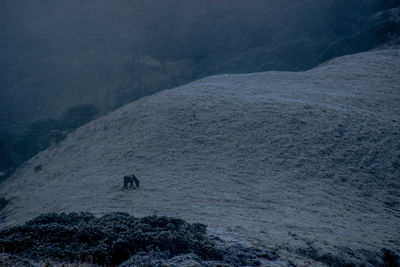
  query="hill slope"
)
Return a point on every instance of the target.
[{"x": 296, "y": 160}]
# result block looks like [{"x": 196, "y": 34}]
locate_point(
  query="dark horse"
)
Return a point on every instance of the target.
[{"x": 128, "y": 181}]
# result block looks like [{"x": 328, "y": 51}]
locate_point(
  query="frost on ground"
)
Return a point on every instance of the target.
[
  {"x": 307, "y": 162},
  {"x": 116, "y": 237}
]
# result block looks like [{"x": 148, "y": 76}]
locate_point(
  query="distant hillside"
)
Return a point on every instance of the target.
[
  {"x": 57, "y": 54},
  {"x": 307, "y": 162}
]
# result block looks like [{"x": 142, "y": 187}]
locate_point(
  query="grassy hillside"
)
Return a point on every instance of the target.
[{"x": 305, "y": 162}]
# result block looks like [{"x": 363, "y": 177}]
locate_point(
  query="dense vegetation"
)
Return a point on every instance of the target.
[{"x": 114, "y": 238}]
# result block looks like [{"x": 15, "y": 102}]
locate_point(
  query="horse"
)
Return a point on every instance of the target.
[{"x": 128, "y": 181}]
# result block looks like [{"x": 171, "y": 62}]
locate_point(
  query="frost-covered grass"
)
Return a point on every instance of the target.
[
  {"x": 114, "y": 238},
  {"x": 282, "y": 159}
]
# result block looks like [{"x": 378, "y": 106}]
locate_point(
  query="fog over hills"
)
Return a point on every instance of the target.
[
  {"x": 291, "y": 160},
  {"x": 55, "y": 55}
]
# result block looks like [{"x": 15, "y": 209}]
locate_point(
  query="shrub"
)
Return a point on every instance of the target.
[{"x": 108, "y": 240}]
